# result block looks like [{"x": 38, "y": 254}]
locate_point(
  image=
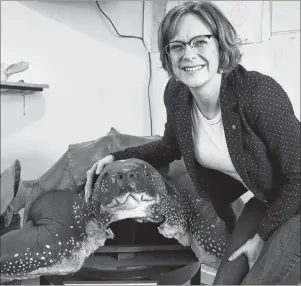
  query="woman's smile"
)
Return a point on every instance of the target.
[{"x": 192, "y": 69}]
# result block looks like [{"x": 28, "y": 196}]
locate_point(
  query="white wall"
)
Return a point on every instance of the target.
[{"x": 97, "y": 80}]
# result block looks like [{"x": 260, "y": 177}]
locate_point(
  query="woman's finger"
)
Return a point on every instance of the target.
[
  {"x": 88, "y": 186},
  {"x": 237, "y": 253},
  {"x": 99, "y": 168},
  {"x": 251, "y": 263},
  {"x": 253, "y": 258}
]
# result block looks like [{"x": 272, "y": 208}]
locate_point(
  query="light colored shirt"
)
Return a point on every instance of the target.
[{"x": 210, "y": 147}]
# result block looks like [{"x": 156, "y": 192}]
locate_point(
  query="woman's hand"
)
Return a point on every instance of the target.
[
  {"x": 252, "y": 249},
  {"x": 96, "y": 169}
]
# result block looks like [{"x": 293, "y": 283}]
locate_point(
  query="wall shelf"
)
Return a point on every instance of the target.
[{"x": 23, "y": 86}]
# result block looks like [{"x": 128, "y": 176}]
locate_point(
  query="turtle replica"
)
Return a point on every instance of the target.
[
  {"x": 61, "y": 229},
  {"x": 128, "y": 185}
]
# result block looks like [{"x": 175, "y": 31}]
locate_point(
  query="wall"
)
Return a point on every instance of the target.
[{"x": 97, "y": 80}]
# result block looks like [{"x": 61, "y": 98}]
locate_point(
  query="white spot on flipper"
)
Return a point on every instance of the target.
[{"x": 47, "y": 246}]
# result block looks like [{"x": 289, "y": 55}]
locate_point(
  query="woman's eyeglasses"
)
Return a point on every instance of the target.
[{"x": 177, "y": 48}]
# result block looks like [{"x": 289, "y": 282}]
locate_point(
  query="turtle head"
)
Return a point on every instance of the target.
[
  {"x": 129, "y": 189},
  {"x": 134, "y": 189}
]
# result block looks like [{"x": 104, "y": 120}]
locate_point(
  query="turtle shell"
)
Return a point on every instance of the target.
[{"x": 69, "y": 172}]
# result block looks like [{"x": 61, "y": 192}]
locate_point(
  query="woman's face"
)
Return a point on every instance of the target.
[{"x": 196, "y": 66}]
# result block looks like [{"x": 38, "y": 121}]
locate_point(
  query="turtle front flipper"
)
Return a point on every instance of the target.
[
  {"x": 193, "y": 222},
  {"x": 58, "y": 238}
]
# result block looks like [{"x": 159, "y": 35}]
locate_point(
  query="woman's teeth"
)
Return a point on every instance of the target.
[{"x": 194, "y": 68}]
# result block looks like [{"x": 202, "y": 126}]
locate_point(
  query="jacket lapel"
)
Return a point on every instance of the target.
[
  {"x": 231, "y": 122},
  {"x": 184, "y": 128},
  {"x": 232, "y": 127}
]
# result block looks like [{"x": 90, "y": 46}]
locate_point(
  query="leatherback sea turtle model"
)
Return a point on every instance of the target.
[{"x": 61, "y": 229}]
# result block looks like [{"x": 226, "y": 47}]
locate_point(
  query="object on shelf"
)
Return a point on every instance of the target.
[{"x": 8, "y": 70}]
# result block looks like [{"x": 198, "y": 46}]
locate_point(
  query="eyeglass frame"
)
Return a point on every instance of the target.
[{"x": 187, "y": 43}]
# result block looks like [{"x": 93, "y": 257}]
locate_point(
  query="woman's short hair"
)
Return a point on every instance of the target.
[{"x": 220, "y": 26}]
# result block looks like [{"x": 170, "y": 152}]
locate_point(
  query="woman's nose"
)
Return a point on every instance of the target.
[{"x": 189, "y": 53}]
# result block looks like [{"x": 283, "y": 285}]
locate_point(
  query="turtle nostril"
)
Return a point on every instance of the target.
[
  {"x": 120, "y": 176},
  {"x": 131, "y": 175}
]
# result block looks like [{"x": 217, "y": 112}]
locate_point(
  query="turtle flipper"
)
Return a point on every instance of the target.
[
  {"x": 190, "y": 219},
  {"x": 53, "y": 242},
  {"x": 207, "y": 228},
  {"x": 10, "y": 179}
]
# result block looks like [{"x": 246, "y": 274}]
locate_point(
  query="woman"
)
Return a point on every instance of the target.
[{"x": 237, "y": 132}]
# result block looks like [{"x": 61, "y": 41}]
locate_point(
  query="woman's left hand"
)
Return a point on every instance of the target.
[{"x": 252, "y": 249}]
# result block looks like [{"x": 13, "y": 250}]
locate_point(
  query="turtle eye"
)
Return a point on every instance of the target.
[{"x": 148, "y": 175}]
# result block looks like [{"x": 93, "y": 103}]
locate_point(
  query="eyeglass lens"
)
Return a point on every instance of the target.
[{"x": 178, "y": 48}]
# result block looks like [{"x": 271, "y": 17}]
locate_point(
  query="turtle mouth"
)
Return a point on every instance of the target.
[
  {"x": 146, "y": 208},
  {"x": 143, "y": 207},
  {"x": 131, "y": 200},
  {"x": 134, "y": 205}
]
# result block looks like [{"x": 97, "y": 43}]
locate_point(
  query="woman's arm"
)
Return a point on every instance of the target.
[{"x": 279, "y": 128}]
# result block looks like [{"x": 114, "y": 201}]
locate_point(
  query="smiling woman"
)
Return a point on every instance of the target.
[
  {"x": 207, "y": 22},
  {"x": 237, "y": 132}
]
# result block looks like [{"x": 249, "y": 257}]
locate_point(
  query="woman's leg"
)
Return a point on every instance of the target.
[
  {"x": 279, "y": 262},
  {"x": 233, "y": 272}
]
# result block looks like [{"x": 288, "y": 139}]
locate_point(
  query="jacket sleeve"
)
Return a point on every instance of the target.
[
  {"x": 158, "y": 153},
  {"x": 279, "y": 128}
]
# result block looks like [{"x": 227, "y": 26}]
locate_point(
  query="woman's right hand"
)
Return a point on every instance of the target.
[{"x": 96, "y": 169}]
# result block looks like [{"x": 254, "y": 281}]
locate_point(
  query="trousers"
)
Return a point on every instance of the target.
[{"x": 279, "y": 261}]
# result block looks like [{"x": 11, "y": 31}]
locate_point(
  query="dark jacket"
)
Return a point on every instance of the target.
[{"x": 263, "y": 138}]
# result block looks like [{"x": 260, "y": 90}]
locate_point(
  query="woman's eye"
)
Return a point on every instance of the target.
[
  {"x": 199, "y": 43},
  {"x": 176, "y": 47}
]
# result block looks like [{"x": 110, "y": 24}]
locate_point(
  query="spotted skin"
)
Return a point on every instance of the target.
[
  {"x": 193, "y": 222},
  {"x": 61, "y": 233},
  {"x": 63, "y": 229},
  {"x": 189, "y": 219},
  {"x": 131, "y": 176}
]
